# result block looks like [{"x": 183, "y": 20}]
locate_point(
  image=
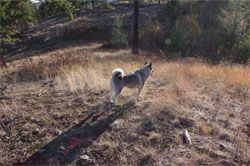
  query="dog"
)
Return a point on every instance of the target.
[{"x": 134, "y": 80}]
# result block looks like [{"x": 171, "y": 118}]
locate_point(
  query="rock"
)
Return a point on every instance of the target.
[
  {"x": 2, "y": 133},
  {"x": 40, "y": 93},
  {"x": 59, "y": 132},
  {"x": 85, "y": 157}
]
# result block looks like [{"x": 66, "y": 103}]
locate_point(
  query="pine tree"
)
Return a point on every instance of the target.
[
  {"x": 53, "y": 7},
  {"x": 14, "y": 16}
]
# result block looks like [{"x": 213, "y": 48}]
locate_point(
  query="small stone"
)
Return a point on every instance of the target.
[
  {"x": 59, "y": 132},
  {"x": 40, "y": 93},
  {"x": 2, "y": 133},
  {"x": 85, "y": 157}
]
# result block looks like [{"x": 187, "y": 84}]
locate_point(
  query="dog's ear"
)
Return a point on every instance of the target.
[{"x": 150, "y": 65}]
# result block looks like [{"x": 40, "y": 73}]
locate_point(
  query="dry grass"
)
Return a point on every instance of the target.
[
  {"x": 183, "y": 74},
  {"x": 181, "y": 94},
  {"x": 93, "y": 74},
  {"x": 79, "y": 69}
]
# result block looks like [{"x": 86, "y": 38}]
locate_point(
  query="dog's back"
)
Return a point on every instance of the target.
[{"x": 132, "y": 80}]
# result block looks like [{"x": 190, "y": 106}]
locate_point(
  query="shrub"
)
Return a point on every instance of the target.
[
  {"x": 105, "y": 5},
  {"x": 241, "y": 50},
  {"x": 50, "y": 8},
  {"x": 152, "y": 37},
  {"x": 181, "y": 37},
  {"x": 119, "y": 36},
  {"x": 14, "y": 15},
  {"x": 97, "y": 26}
]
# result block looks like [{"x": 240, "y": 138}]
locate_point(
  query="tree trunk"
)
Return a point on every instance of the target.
[
  {"x": 191, "y": 7},
  {"x": 136, "y": 34}
]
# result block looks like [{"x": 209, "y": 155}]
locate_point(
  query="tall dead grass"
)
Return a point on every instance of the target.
[
  {"x": 93, "y": 75},
  {"x": 170, "y": 82},
  {"x": 92, "y": 69},
  {"x": 187, "y": 75}
]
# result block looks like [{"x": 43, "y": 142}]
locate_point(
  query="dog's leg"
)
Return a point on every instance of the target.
[
  {"x": 116, "y": 94},
  {"x": 115, "y": 97},
  {"x": 139, "y": 93},
  {"x": 111, "y": 96}
]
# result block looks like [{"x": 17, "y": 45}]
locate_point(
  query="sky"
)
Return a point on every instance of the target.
[{"x": 34, "y": 1}]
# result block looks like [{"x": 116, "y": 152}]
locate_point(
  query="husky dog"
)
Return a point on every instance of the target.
[{"x": 135, "y": 79}]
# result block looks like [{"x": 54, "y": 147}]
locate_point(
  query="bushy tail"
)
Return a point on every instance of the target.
[{"x": 118, "y": 73}]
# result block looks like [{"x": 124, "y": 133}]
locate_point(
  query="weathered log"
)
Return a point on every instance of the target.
[{"x": 186, "y": 138}]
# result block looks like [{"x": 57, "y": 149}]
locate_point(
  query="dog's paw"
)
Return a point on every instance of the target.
[
  {"x": 116, "y": 104},
  {"x": 112, "y": 102}
]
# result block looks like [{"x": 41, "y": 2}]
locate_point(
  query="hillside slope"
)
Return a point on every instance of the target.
[
  {"x": 89, "y": 25},
  {"x": 55, "y": 110}
]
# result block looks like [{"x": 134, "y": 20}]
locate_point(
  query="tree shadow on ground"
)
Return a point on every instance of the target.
[{"x": 60, "y": 152}]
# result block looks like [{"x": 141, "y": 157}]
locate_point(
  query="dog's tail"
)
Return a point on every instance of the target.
[{"x": 118, "y": 73}]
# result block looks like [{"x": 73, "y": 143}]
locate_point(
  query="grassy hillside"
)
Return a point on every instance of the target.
[{"x": 89, "y": 25}]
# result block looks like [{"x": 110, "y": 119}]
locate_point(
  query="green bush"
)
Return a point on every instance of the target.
[
  {"x": 119, "y": 36},
  {"x": 186, "y": 30},
  {"x": 14, "y": 15},
  {"x": 97, "y": 26},
  {"x": 177, "y": 54},
  {"x": 241, "y": 50},
  {"x": 105, "y": 5},
  {"x": 53, "y": 7},
  {"x": 152, "y": 37}
]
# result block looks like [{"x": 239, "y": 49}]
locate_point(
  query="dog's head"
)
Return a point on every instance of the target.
[{"x": 148, "y": 68}]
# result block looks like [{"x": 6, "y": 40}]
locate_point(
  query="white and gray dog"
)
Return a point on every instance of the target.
[{"x": 136, "y": 79}]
